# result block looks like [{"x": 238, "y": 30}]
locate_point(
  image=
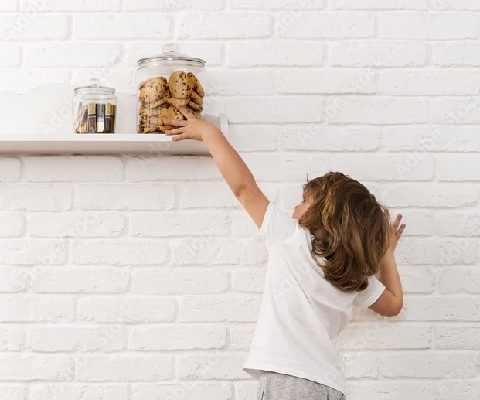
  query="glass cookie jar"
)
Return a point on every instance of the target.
[
  {"x": 164, "y": 80},
  {"x": 94, "y": 108}
]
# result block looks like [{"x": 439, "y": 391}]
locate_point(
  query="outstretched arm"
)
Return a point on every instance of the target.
[{"x": 232, "y": 167}]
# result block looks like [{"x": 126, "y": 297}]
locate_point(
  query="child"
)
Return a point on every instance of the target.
[{"x": 321, "y": 260}]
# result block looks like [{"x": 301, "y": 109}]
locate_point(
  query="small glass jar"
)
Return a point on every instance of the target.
[
  {"x": 164, "y": 80},
  {"x": 94, "y": 108}
]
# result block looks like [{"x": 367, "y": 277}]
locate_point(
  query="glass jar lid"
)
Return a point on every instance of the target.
[
  {"x": 171, "y": 56},
  {"x": 94, "y": 89}
]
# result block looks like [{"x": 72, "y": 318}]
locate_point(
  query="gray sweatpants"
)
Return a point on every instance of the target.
[{"x": 275, "y": 386}]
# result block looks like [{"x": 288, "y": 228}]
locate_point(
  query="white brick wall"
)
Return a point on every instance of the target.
[{"x": 139, "y": 278}]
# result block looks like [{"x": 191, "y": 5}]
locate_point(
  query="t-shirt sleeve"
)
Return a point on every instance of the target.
[
  {"x": 277, "y": 225},
  {"x": 367, "y": 297}
]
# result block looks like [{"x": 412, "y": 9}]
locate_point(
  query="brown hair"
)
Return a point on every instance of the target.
[{"x": 349, "y": 228}]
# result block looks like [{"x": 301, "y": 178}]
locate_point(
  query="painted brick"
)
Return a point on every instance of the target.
[
  {"x": 426, "y": 365},
  {"x": 326, "y": 81},
  {"x": 121, "y": 368},
  {"x": 380, "y": 4},
  {"x": 277, "y": 4},
  {"x": 180, "y": 337},
  {"x": 172, "y": 6},
  {"x": 36, "y": 367},
  {"x": 279, "y": 109},
  {"x": 432, "y": 27},
  {"x": 31, "y": 308},
  {"x": 69, "y": 338},
  {"x": 323, "y": 25},
  {"x": 119, "y": 252},
  {"x": 430, "y": 195},
  {"x": 378, "y": 54},
  {"x": 377, "y": 110},
  {"x": 282, "y": 53},
  {"x": 209, "y": 26},
  {"x": 61, "y": 54},
  {"x": 126, "y": 309},
  {"x": 433, "y": 83},
  {"x": 77, "y": 6},
  {"x": 181, "y": 391},
  {"x": 232, "y": 308},
  {"x": 456, "y": 54},
  {"x": 178, "y": 281},
  {"x": 219, "y": 366},
  {"x": 88, "y": 391},
  {"x": 120, "y": 26},
  {"x": 24, "y": 27},
  {"x": 120, "y": 197},
  {"x": 79, "y": 280},
  {"x": 462, "y": 279},
  {"x": 431, "y": 139}
]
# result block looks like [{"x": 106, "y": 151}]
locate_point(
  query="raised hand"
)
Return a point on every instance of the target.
[
  {"x": 191, "y": 128},
  {"x": 396, "y": 230}
]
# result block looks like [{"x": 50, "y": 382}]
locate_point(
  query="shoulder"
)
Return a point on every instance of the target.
[{"x": 277, "y": 225}]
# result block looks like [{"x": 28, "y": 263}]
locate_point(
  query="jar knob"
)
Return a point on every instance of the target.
[
  {"x": 171, "y": 48},
  {"x": 94, "y": 82}
]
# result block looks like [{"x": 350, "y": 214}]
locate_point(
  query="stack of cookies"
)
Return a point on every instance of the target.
[{"x": 158, "y": 95}]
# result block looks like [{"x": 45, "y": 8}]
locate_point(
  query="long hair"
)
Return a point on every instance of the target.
[{"x": 349, "y": 228}]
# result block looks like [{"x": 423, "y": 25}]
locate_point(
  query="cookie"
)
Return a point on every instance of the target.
[
  {"x": 195, "y": 106},
  {"x": 179, "y": 85},
  {"x": 196, "y": 98},
  {"x": 196, "y": 85},
  {"x": 158, "y": 95}
]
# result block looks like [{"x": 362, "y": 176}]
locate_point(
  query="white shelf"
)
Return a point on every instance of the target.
[
  {"x": 106, "y": 143},
  {"x": 99, "y": 144},
  {"x": 40, "y": 122}
]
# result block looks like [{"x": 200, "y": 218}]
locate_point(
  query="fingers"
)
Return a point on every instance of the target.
[
  {"x": 176, "y": 138},
  {"x": 396, "y": 227},
  {"x": 397, "y": 220},
  {"x": 175, "y": 131},
  {"x": 183, "y": 110},
  {"x": 396, "y": 223},
  {"x": 399, "y": 232},
  {"x": 174, "y": 122},
  {"x": 387, "y": 213}
]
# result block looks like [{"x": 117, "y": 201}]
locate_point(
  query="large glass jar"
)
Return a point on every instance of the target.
[
  {"x": 164, "y": 80},
  {"x": 94, "y": 108}
]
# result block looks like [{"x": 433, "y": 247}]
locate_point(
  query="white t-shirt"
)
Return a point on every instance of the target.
[{"x": 301, "y": 313}]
